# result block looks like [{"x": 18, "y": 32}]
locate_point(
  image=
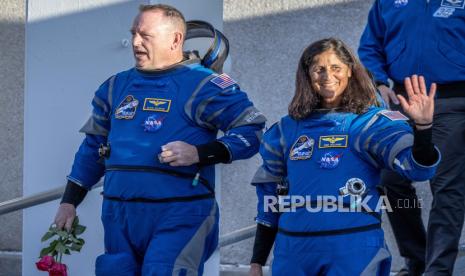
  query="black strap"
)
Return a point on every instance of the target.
[
  {"x": 330, "y": 232},
  {"x": 163, "y": 200},
  {"x": 202, "y": 180}
]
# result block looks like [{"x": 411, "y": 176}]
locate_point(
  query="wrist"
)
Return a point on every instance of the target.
[
  {"x": 423, "y": 127},
  {"x": 423, "y": 124},
  {"x": 212, "y": 153}
]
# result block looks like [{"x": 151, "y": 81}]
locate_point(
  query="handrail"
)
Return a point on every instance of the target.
[
  {"x": 237, "y": 236},
  {"x": 33, "y": 200},
  {"x": 56, "y": 193}
]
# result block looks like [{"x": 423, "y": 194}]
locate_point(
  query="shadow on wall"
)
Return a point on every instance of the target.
[
  {"x": 11, "y": 136},
  {"x": 265, "y": 51}
]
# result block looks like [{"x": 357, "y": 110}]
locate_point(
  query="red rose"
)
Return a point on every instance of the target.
[
  {"x": 58, "y": 269},
  {"x": 45, "y": 263}
]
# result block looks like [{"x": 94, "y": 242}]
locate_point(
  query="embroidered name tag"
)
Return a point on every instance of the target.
[
  {"x": 333, "y": 141},
  {"x": 158, "y": 105}
]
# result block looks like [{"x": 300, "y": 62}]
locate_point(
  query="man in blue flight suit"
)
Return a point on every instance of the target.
[
  {"x": 154, "y": 127},
  {"x": 425, "y": 37}
]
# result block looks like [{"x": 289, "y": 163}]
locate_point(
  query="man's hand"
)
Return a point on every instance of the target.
[
  {"x": 255, "y": 270},
  {"x": 179, "y": 153},
  {"x": 65, "y": 216},
  {"x": 420, "y": 106},
  {"x": 388, "y": 95}
]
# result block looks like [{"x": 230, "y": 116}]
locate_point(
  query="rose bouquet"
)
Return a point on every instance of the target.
[{"x": 65, "y": 242}]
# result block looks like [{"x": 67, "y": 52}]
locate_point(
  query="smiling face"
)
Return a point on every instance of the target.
[
  {"x": 156, "y": 42},
  {"x": 329, "y": 78}
]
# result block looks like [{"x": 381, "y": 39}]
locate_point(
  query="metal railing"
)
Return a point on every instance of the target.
[
  {"x": 21, "y": 203},
  {"x": 33, "y": 200}
]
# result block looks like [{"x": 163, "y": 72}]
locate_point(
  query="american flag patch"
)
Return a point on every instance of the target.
[
  {"x": 394, "y": 115},
  {"x": 223, "y": 81}
]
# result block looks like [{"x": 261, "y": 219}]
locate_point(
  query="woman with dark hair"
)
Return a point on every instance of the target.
[{"x": 324, "y": 161}]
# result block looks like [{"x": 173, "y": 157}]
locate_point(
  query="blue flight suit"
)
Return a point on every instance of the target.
[
  {"x": 425, "y": 37},
  {"x": 158, "y": 219},
  {"x": 320, "y": 156}
]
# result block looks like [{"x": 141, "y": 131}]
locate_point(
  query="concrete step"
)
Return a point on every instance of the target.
[{"x": 10, "y": 263}]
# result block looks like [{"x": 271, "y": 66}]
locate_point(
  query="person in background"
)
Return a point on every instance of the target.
[{"x": 426, "y": 37}]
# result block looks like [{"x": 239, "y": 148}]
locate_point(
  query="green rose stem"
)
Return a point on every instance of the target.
[{"x": 65, "y": 242}]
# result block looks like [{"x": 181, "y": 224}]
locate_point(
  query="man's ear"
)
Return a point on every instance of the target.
[{"x": 177, "y": 41}]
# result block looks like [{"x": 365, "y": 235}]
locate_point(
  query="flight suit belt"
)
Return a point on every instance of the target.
[
  {"x": 449, "y": 90},
  {"x": 316, "y": 204},
  {"x": 149, "y": 169},
  {"x": 331, "y": 232},
  {"x": 162, "y": 200}
]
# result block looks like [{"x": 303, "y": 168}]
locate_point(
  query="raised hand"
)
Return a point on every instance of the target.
[{"x": 420, "y": 105}]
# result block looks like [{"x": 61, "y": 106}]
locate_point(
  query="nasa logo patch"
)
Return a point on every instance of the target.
[
  {"x": 330, "y": 160},
  {"x": 153, "y": 123}
]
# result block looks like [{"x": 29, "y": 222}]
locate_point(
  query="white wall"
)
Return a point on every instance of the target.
[{"x": 71, "y": 47}]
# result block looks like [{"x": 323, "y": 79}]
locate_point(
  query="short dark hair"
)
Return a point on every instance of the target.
[
  {"x": 360, "y": 91},
  {"x": 168, "y": 11}
]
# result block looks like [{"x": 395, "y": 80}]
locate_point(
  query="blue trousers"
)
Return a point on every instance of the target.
[
  {"x": 173, "y": 238},
  {"x": 362, "y": 253}
]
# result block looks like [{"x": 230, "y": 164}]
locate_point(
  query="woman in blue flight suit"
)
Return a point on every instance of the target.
[{"x": 328, "y": 153}]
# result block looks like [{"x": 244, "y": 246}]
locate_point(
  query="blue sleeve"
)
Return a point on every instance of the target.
[
  {"x": 387, "y": 143},
  {"x": 267, "y": 177},
  {"x": 87, "y": 170},
  {"x": 267, "y": 204},
  {"x": 229, "y": 110},
  {"x": 371, "y": 49}
]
